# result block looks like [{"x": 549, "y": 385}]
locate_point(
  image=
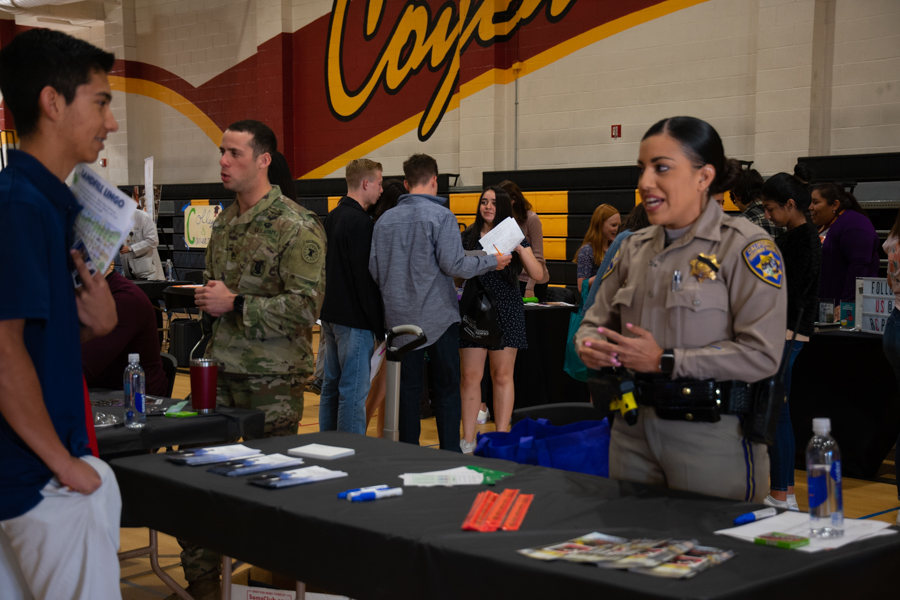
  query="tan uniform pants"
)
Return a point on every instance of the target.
[{"x": 708, "y": 458}]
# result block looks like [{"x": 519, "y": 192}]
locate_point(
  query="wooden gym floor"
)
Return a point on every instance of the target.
[{"x": 862, "y": 499}]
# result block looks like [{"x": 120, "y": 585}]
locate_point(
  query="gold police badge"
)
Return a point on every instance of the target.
[{"x": 705, "y": 266}]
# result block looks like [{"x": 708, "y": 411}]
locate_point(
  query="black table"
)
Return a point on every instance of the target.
[
  {"x": 539, "y": 376},
  {"x": 179, "y": 296},
  {"x": 224, "y": 425},
  {"x": 844, "y": 376},
  {"x": 413, "y": 547},
  {"x": 154, "y": 291}
]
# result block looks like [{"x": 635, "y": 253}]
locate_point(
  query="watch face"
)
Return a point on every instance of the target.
[{"x": 667, "y": 363}]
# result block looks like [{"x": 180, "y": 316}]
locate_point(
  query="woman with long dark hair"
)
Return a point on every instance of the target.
[
  {"x": 849, "y": 241},
  {"x": 494, "y": 207},
  {"x": 531, "y": 226},
  {"x": 786, "y": 199},
  {"x": 698, "y": 295},
  {"x": 600, "y": 235}
]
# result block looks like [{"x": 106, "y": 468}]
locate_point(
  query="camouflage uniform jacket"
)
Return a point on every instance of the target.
[{"x": 273, "y": 254}]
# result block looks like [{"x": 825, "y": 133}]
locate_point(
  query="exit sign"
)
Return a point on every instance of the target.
[{"x": 616, "y": 131}]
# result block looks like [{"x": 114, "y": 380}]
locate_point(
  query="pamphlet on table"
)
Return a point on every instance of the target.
[
  {"x": 675, "y": 559},
  {"x": 105, "y": 220},
  {"x": 215, "y": 454},
  {"x": 296, "y": 477},
  {"x": 248, "y": 466}
]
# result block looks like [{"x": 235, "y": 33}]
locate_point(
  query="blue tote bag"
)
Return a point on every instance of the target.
[{"x": 582, "y": 447}]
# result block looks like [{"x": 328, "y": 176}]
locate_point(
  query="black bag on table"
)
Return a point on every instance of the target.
[{"x": 480, "y": 319}]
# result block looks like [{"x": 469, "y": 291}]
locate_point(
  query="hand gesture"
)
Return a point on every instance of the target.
[
  {"x": 214, "y": 298},
  {"x": 641, "y": 353},
  {"x": 94, "y": 301},
  {"x": 503, "y": 260},
  {"x": 79, "y": 476}
]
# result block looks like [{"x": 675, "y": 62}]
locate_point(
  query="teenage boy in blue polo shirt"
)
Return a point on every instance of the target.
[{"x": 59, "y": 506}]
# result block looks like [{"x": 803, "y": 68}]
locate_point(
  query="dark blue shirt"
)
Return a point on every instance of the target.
[{"x": 37, "y": 213}]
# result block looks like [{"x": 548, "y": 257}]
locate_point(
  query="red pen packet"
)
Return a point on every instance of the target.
[{"x": 517, "y": 513}]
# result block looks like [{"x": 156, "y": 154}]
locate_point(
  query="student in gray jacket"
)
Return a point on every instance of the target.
[{"x": 416, "y": 253}]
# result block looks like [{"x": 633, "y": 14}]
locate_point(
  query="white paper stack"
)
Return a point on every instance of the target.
[
  {"x": 447, "y": 478},
  {"x": 207, "y": 456},
  {"x": 503, "y": 238},
  {"x": 797, "y": 523},
  {"x": 321, "y": 451}
]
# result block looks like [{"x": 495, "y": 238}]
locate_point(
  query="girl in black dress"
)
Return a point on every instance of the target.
[{"x": 493, "y": 207}]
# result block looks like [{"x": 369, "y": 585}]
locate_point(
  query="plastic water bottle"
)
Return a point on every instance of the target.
[
  {"x": 823, "y": 471},
  {"x": 133, "y": 380},
  {"x": 170, "y": 270}
]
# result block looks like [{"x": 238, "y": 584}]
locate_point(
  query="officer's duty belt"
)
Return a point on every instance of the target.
[{"x": 694, "y": 399}]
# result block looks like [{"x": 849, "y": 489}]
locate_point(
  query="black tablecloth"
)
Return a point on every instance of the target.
[
  {"x": 223, "y": 425},
  {"x": 539, "y": 376},
  {"x": 179, "y": 297},
  {"x": 844, "y": 376},
  {"x": 413, "y": 546}
]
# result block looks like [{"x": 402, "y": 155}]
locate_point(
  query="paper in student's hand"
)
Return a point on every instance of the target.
[
  {"x": 105, "y": 220},
  {"x": 503, "y": 238}
]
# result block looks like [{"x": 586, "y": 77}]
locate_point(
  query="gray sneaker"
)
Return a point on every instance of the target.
[{"x": 467, "y": 447}]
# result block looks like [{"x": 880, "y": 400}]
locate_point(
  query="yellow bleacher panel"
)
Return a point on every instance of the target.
[
  {"x": 548, "y": 202},
  {"x": 466, "y": 219},
  {"x": 554, "y": 248},
  {"x": 555, "y": 225},
  {"x": 333, "y": 202},
  {"x": 464, "y": 204}
]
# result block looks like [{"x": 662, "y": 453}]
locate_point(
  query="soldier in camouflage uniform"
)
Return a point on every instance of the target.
[{"x": 265, "y": 280}]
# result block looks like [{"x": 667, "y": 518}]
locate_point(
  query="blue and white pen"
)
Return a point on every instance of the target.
[
  {"x": 376, "y": 495},
  {"x": 348, "y": 493},
  {"x": 756, "y": 515}
]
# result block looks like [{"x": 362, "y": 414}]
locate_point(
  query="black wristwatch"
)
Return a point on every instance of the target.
[
  {"x": 667, "y": 362},
  {"x": 238, "y": 305}
]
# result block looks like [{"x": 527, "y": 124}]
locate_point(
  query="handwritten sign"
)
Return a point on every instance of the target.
[
  {"x": 198, "y": 221},
  {"x": 874, "y": 303}
]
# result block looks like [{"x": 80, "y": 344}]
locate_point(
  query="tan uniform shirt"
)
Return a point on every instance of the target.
[{"x": 730, "y": 327}]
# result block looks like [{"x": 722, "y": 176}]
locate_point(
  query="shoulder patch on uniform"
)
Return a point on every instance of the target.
[
  {"x": 764, "y": 260},
  {"x": 612, "y": 265},
  {"x": 311, "y": 251}
]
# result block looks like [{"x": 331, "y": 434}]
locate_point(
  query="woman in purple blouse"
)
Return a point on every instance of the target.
[{"x": 849, "y": 241}]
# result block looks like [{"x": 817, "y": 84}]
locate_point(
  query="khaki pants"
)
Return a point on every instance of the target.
[
  {"x": 65, "y": 547},
  {"x": 708, "y": 458}
]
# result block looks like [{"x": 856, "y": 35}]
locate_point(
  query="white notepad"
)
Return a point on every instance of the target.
[{"x": 321, "y": 451}]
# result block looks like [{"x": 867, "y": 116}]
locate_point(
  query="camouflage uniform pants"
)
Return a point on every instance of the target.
[{"x": 281, "y": 398}]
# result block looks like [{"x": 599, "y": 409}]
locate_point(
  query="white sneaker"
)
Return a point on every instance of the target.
[
  {"x": 467, "y": 447},
  {"x": 792, "y": 502},
  {"x": 483, "y": 416},
  {"x": 770, "y": 501}
]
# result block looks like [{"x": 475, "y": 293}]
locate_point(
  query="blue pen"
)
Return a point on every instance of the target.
[
  {"x": 376, "y": 495},
  {"x": 343, "y": 495},
  {"x": 756, "y": 515}
]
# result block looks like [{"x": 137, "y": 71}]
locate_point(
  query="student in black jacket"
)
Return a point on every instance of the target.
[
  {"x": 352, "y": 314},
  {"x": 786, "y": 201}
]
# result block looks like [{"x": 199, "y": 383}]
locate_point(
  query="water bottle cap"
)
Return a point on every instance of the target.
[
  {"x": 133, "y": 358},
  {"x": 822, "y": 426}
]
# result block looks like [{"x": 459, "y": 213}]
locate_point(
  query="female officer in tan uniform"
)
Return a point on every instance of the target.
[{"x": 698, "y": 295}]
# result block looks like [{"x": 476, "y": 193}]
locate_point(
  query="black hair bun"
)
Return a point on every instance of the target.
[
  {"x": 803, "y": 172},
  {"x": 728, "y": 178}
]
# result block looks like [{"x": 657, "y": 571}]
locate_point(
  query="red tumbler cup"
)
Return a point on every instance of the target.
[{"x": 204, "y": 375}]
